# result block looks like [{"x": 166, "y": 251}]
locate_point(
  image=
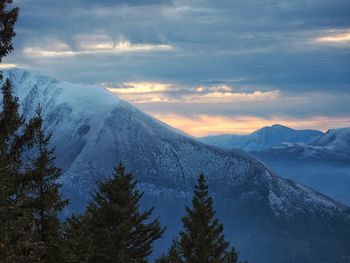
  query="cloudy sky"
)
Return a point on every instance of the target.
[{"x": 204, "y": 66}]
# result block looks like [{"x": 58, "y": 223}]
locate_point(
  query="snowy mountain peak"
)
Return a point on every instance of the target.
[
  {"x": 276, "y": 127},
  {"x": 280, "y": 126},
  {"x": 81, "y": 97}
]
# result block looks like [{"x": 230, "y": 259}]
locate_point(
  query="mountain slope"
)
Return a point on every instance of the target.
[
  {"x": 264, "y": 138},
  {"x": 264, "y": 215}
]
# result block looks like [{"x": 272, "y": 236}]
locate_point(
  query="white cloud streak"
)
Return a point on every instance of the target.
[
  {"x": 335, "y": 37},
  {"x": 151, "y": 92},
  {"x": 100, "y": 48},
  {"x": 7, "y": 66}
]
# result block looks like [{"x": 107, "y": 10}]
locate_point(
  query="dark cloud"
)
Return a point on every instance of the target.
[
  {"x": 265, "y": 44},
  {"x": 65, "y": 4},
  {"x": 311, "y": 106}
]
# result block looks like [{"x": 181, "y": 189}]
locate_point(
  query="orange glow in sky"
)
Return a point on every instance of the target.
[
  {"x": 142, "y": 94},
  {"x": 206, "y": 125}
]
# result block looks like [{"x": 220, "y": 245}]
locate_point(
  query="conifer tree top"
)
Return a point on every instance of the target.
[
  {"x": 113, "y": 229},
  {"x": 202, "y": 239},
  {"x": 8, "y": 18}
]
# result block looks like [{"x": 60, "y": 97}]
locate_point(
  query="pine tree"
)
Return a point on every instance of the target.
[
  {"x": 15, "y": 216},
  {"x": 14, "y": 213},
  {"x": 15, "y": 206},
  {"x": 78, "y": 239},
  {"x": 10, "y": 122},
  {"x": 173, "y": 255},
  {"x": 8, "y": 19},
  {"x": 202, "y": 239},
  {"x": 112, "y": 228},
  {"x": 46, "y": 202}
]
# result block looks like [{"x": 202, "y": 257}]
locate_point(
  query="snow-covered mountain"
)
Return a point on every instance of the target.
[
  {"x": 336, "y": 140},
  {"x": 334, "y": 145},
  {"x": 316, "y": 159},
  {"x": 268, "y": 218},
  {"x": 262, "y": 139},
  {"x": 323, "y": 164}
]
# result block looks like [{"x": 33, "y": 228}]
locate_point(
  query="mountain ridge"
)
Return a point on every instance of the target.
[
  {"x": 334, "y": 145},
  {"x": 263, "y": 138},
  {"x": 93, "y": 130}
]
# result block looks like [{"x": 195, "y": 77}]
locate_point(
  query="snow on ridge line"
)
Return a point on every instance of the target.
[
  {"x": 88, "y": 100},
  {"x": 85, "y": 94}
]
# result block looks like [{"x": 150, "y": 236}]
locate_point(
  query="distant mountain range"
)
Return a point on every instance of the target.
[
  {"x": 281, "y": 140},
  {"x": 334, "y": 145},
  {"x": 262, "y": 139},
  {"x": 319, "y": 160},
  {"x": 268, "y": 218},
  {"x": 323, "y": 164}
]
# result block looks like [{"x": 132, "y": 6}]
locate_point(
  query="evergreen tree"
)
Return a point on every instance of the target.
[
  {"x": 202, "y": 239},
  {"x": 78, "y": 240},
  {"x": 21, "y": 228},
  {"x": 10, "y": 122},
  {"x": 8, "y": 19},
  {"x": 15, "y": 215},
  {"x": 112, "y": 228},
  {"x": 46, "y": 201},
  {"x": 173, "y": 256}
]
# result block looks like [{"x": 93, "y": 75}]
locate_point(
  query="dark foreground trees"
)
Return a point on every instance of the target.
[
  {"x": 15, "y": 214},
  {"x": 113, "y": 229},
  {"x": 202, "y": 239},
  {"x": 8, "y": 19},
  {"x": 10, "y": 122},
  {"x": 44, "y": 193},
  {"x": 29, "y": 194}
]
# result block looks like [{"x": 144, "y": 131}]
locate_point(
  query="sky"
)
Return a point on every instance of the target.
[{"x": 204, "y": 66}]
